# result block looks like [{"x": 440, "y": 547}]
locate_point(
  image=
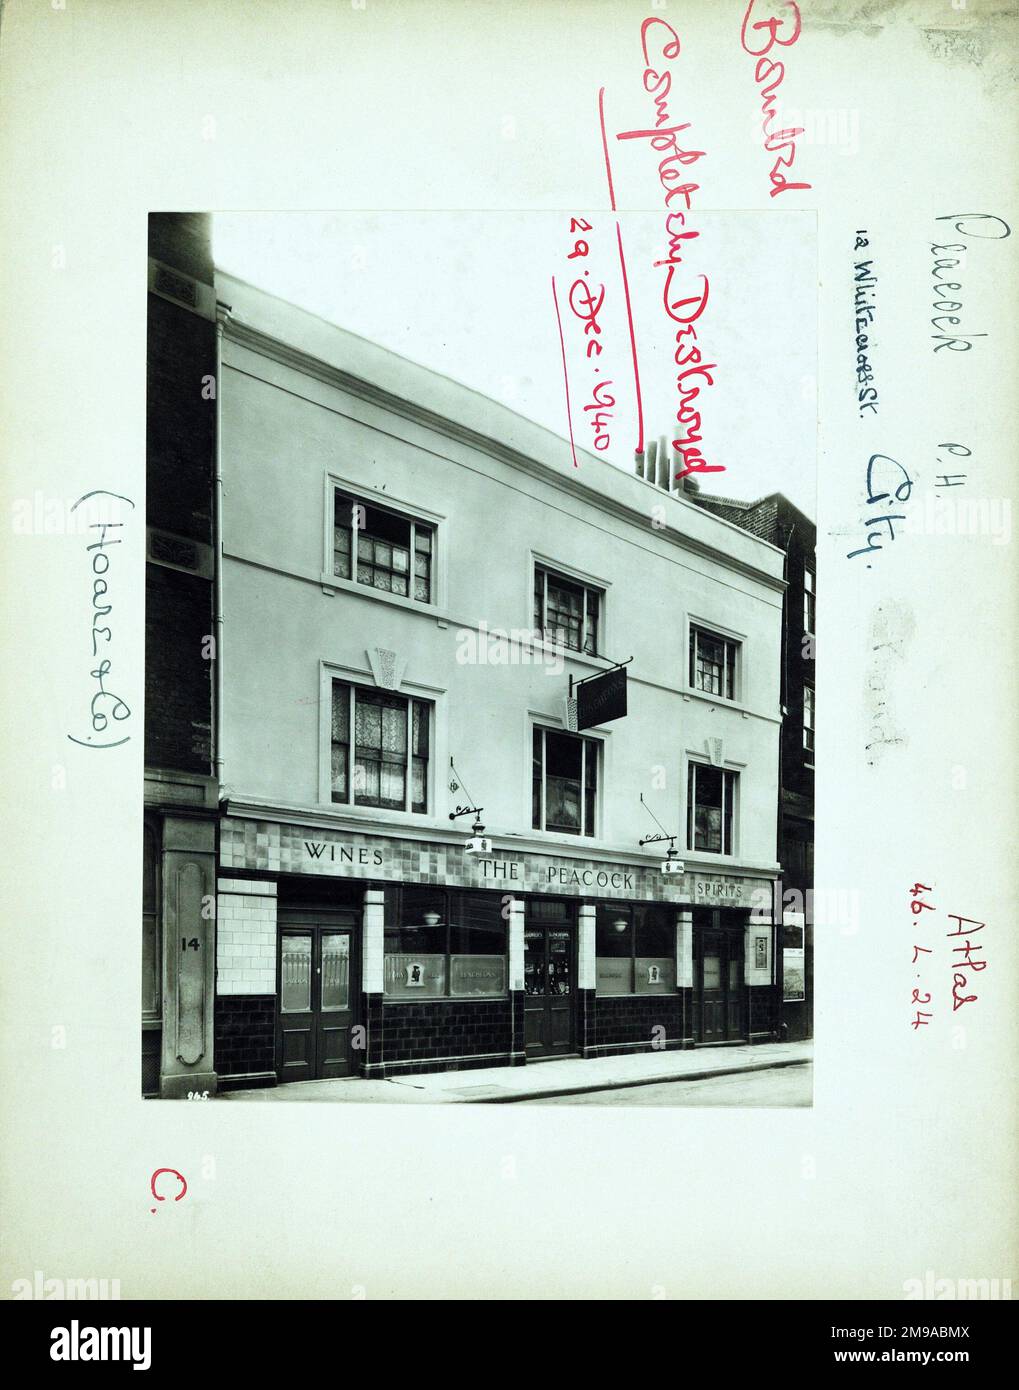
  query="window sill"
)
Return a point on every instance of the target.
[
  {"x": 558, "y": 837},
  {"x": 446, "y": 999},
  {"x": 332, "y": 582},
  {"x": 634, "y": 994},
  {"x": 376, "y": 814},
  {"x": 689, "y": 693}
]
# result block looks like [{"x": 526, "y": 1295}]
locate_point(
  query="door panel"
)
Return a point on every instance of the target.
[
  {"x": 297, "y": 1032},
  {"x": 336, "y": 1015},
  {"x": 719, "y": 980},
  {"x": 317, "y": 999},
  {"x": 549, "y": 993},
  {"x": 712, "y": 989}
]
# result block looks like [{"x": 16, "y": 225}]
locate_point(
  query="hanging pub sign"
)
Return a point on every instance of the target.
[{"x": 601, "y": 698}]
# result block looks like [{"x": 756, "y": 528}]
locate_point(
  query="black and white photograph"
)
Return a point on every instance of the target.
[{"x": 467, "y": 747}]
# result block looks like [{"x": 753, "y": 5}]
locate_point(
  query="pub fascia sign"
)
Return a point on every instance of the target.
[
  {"x": 512, "y": 871},
  {"x": 703, "y": 888},
  {"x": 719, "y": 890},
  {"x": 368, "y": 855}
]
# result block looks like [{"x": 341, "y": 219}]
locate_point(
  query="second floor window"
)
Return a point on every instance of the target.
[
  {"x": 565, "y": 783},
  {"x": 382, "y": 549},
  {"x": 566, "y": 611},
  {"x": 380, "y": 747},
  {"x": 808, "y": 718},
  {"x": 809, "y": 601},
  {"x": 713, "y": 663},
  {"x": 711, "y": 796}
]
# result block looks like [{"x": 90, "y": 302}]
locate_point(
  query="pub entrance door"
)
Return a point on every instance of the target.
[
  {"x": 317, "y": 996},
  {"x": 718, "y": 976},
  {"x": 550, "y": 989}
]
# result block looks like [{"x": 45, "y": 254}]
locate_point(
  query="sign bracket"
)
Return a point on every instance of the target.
[{"x": 615, "y": 666}]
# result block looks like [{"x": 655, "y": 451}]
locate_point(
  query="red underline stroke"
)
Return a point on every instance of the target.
[
  {"x": 605, "y": 146},
  {"x": 622, "y": 267},
  {"x": 633, "y": 342},
  {"x": 566, "y": 375}
]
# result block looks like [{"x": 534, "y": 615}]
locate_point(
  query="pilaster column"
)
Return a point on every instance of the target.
[
  {"x": 684, "y": 970},
  {"x": 587, "y": 976},
  {"x": 516, "y": 944},
  {"x": 373, "y": 924},
  {"x": 684, "y": 948},
  {"x": 764, "y": 1007},
  {"x": 587, "y": 968},
  {"x": 515, "y": 965},
  {"x": 189, "y": 957}
]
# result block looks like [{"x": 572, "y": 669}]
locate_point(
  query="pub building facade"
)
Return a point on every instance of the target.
[{"x": 428, "y": 856}]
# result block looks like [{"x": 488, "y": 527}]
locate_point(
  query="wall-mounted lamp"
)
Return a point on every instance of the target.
[
  {"x": 477, "y": 843},
  {"x": 671, "y": 864}
]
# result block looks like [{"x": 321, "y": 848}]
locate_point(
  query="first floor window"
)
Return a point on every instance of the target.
[
  {"x": 711, "y": 794},
  {"x": 380, "y": 745},
  {"x": 635, "y": 949},
  {"x": 382, "y": 549},
  {"x": 442, "y": 943},
  {"x": 713, "y": 663},
  {"x": 566, "y": 611},
  {"x": 808, "y": 718},
  {"x": 564, "y": 782}
]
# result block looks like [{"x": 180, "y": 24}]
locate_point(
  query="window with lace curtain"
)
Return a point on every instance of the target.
[{"x": 380, "y": 748}]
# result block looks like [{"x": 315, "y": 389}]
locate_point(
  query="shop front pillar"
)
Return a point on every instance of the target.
[
  {"x": 587, "y": 977},
  {"x": 189, "y": 957},
  {"x": 373, "y": 923},
  {"x": 795, "y": 1011},
  {"x": 759, "y": 975},
  {"x": 515, "y": 929},
  {"x": 684, "y": 970}
]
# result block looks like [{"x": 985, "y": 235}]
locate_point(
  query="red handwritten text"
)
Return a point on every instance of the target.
[
  {"x": 685, "y": 305},
  {"x": 769, "y": 75}
]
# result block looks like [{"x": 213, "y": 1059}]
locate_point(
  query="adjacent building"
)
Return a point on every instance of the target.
[
  {"x": 777, "y": 520},
  {"x": 181, "y": 797}
]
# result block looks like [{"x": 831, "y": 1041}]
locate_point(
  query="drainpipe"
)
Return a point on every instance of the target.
[{"x": 222, "y": 314}]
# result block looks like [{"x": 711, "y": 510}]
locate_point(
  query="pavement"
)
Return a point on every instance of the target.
[
  {"x": 773, "y": 1088},
  {"x": 542, "y": 1080}
]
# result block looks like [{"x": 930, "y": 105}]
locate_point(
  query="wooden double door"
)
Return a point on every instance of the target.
[
  {"x": 317, "y": 999},
  {"x": 720, "y": 984},
  {"x": 550, "y": 983}
]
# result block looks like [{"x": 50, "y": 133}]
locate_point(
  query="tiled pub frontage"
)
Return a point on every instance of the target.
[{"x": 356, "y": 954}]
